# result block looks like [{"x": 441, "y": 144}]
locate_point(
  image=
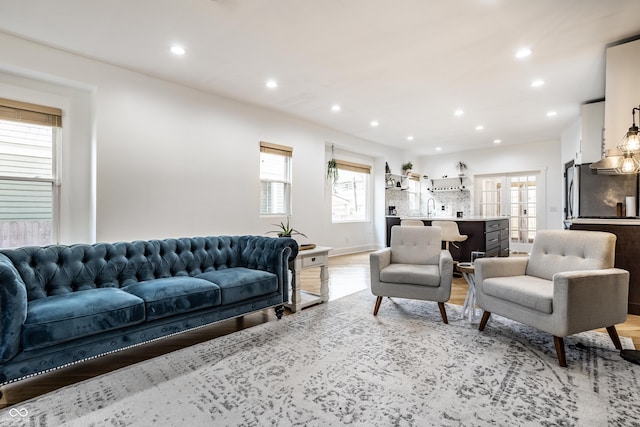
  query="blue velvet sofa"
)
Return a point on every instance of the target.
[{"x": 64, "y": 304}]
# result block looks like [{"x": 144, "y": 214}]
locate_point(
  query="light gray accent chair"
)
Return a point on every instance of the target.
[
  {"x": 567, "y": 284},
  {"x": 415, "y": 267}
]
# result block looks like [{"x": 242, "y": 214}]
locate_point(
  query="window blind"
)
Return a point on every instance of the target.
[
  {"x": 24, "y": 112},
  {"x": 282, "y": 150},
  {"x": 353, "y": 167}
]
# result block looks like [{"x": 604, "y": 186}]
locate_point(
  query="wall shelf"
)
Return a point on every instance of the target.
[
  {"x": 456, "y": 183},
  {"x": 391, "y": 182}
]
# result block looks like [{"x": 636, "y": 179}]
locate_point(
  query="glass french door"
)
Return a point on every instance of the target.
[{"x": 513, "y": 195}]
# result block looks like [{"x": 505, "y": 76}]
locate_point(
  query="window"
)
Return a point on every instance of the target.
[
  {"x": 350, "y": 192},
  {"x": 28, "y": 173},
  {"x": 413, "y": 192},
  {"x": 275, "y": 179}
]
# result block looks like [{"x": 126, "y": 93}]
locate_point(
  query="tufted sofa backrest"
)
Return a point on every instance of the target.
[
  {"x": 555, "y": 251},
  {"x": 58, "y": 269}
]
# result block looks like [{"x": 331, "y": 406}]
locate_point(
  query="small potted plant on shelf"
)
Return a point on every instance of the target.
[
  {"x": 406, "y": 168},
  {"x": 462, "y": 168},
  {"x": 286, "y": 230}
]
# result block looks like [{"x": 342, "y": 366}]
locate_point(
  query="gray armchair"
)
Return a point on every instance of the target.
[
  {"x": 414, "y": 267},
  {"x": 566, "y": 285}
]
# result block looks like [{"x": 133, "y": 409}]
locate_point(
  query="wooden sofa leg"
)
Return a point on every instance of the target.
[
  {"x": 377, "y": 307},
  {"x": 484, "y": 320},
  {"x": 614, "y": 337},
  {"x": 559, "y": 342},
  {"x": 443, "y": 312}
]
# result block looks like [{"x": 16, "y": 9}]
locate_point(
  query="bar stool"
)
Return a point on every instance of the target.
[
  {"x": 450, "y": 232},
  {"x": 411, "y": 223}
]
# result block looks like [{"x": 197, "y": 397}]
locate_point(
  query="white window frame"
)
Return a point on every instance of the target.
[
  {"x": 53, "y": 180},
  {"x": 353, "y": 168},
  {"x": 269, "y": 149}
]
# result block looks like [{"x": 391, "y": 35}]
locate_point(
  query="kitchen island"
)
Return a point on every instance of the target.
[
  {"x": 627, "y": 231},
  {"x": 486, "y": 234}
]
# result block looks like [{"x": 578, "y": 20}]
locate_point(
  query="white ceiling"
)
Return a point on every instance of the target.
[{"x": 408, "y": 64}]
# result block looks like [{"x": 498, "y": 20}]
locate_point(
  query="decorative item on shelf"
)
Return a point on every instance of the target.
[
  {"x": 286, "y": 230},
  {"x": 387, "y": 169},
  {"x": 389, "y": 181},
  {"x": 332, "y": 168},
  {"x": 406, "y": 168},
  {"x": 462, "y": 168}
]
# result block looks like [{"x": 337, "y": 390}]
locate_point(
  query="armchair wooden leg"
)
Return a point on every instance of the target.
[
  {"x": 484, "y": 320},
  {"x": 443, "y": 312},
  {"x": 614, "y": 337},
  {"x": 377, "y": 307},
  {"x": 559, "y": 342}
]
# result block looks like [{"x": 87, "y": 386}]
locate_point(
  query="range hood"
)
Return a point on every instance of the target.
[{"x": 607, "y": 165}]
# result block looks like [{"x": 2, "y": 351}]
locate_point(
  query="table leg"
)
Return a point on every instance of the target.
[
  {"x": 469, "y": 307},
  {"x": 296, "y": 298},
  {"x": 324, "y": 283}
]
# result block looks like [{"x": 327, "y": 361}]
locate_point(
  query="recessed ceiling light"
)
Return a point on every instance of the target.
[
  {"x": 479, "y": 127},
  {"x": 552, "y": 113},
  {"x": 537, "y": 83},
  {"x": 335, "y": 107},
  {"x": 497, "y": 141},
  {"x": 459, "y": 112},
  {"x": 178, "y": 50},
  {"x": 438, "y": 148},
  {"x": 523, "y": 52},
  {"x": 272, "y": 84},
  {"x": 410, "y": 138},
  {"x": 374, "y": 123}
]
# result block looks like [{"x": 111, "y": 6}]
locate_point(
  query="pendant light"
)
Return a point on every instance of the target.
[{"x": 629, "y": 146}]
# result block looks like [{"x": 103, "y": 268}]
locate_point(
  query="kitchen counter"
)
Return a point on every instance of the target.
[
  {"x": 627, "y": 231},
  {"x": 614, "y": 221},
  {"x": 452, "y": 218},
  {"x": 485, "y": 234}
]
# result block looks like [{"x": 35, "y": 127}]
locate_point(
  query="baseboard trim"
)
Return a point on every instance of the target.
[{"x": 354, "y": 250}]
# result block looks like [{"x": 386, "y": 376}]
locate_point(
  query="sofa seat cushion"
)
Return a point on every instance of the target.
[
  {"x": 414, "y": 274},
  {"x": 240, "y": 283},
  {"x": 527, "y": 291},
  {"x": 174, "y": 295},
  {"x": 61, "y": 318}
]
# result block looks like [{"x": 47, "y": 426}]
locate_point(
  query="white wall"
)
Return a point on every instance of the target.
[
  {"x": 171, "y": 161},
  {"x": 543, "y": 157}
]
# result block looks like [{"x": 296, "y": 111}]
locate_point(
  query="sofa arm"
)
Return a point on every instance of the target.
[
  {"x": 446, "y": 268},
  {"x": 486, "y": 268},
  {"x": 13, "y": 309},
  {"x": 591, "y": 298},
  {"x": 379, "y": 260},
  {"x": 271, "y": 254}
]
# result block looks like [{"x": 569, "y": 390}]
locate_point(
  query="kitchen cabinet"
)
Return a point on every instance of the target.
[
  {"x": 622, "y": 92},
  {"x": 592, "y": 118},
  {"x": 488, "y": 235}
]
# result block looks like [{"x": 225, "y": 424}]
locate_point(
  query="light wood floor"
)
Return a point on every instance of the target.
[{"x": 347, "y": 274}]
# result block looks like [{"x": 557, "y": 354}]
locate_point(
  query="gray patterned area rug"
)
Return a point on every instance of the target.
[{"x": 336, "y": 364}]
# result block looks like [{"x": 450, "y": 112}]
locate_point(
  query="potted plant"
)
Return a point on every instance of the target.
[
  {"x": 406, "y": 168},
  {"x": 332, "y": 169},
  {"x": 462, "y": 168},
  {"x": 286, "y": 230}
]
